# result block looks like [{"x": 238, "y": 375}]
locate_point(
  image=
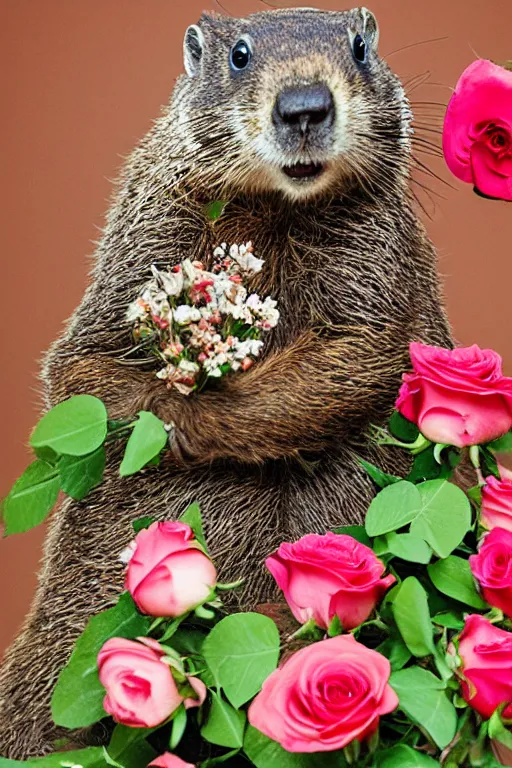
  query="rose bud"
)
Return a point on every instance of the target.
[
  {"x": 169, "y": 761},
  {"x": 477, "y": 135},
  {"x": 327, "y": 576},
  {"x": 456, "y": 396},
  {"x": 492, "y": 568},
  {"x": 496, "y": 509},
  {"x": 325, "y": 696},
  {"x": 486, "y": 672},
  {"x": 141, "y": 691},
  {"x": 169, "y": 574}
]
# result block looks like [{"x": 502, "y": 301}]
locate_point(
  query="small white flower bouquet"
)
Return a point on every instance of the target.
[{"x": 203, "y": 324}]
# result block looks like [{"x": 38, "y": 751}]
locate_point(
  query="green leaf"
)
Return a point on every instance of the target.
[
  {"x": 423, "y": 698},
  {"x": 403, "y": 756},
  {"x": 444, "y": 518},
  {"x": 502, "y": 444},
  {"x": 129, "y": 747},
  {"x": 178, "y": 727},
  {"x": 394, "y": 649},
  {"x": 489, "y": 464},
  {"x": 80, "y": 474},
  {"x": 409, "y": 547},
  {"x": 78, "y": 696},
  {"x": 382, "y": 479},
  {"x": 47, "y": 454},
  {"x": 145, "y": 442},
  {"x": 449, "y": 619},
  {"x": 335, "y": 628},
  {"x": 31, "y": 498},
  {"x": 225, "y": 726},
  {"x": 188, "y": 642},
  {"x": 192, "y": 517},
  {"x": 453, "y": 577},
  {"x": 142, "y": 522},
  {"x": 425, "y": 467},
  {"x": 497, "y": 729},
  {"x": 356, "y": 531},
  {"x": 475, "y": 495},
  {"x": 265, "y": 753},
  {"x": 76, "y": 426},
  {"x": 242, "y": 650},
  {"x": 392, "y": 508},
  {"x": 402, "y": 428},
  {"x": 215, "y": 210},
  {"x": 380, "y": 546},
  {"x": 92, "y": 757},
  {"x": 412, "y": 616}
]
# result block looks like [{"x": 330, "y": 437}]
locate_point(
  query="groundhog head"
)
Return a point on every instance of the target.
[{"x": 294, "y": 101}]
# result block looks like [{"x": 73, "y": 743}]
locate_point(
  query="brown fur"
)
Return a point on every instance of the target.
[{"x": 270, "y": 454}]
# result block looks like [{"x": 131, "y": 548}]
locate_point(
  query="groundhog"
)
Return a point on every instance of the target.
[{"x": 292, "y": 118}]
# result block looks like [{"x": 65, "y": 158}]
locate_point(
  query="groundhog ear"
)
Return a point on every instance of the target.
[
  {"x": 193, "y": 45},
  {"x": 370, "y": 27}
]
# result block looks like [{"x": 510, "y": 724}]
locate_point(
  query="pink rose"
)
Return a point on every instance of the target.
[
  {"x": 141, "y": 691},
  {"x": 168, "y": 573},
  {"x": 458, "y": 397},
  {"x": 169, "y": 761},
  {"x": 497, "y": 503},
  {"x": 325, "y": 696},
  {"x": 486, "y": 671},
  {"x": 477, "y": 135},
  {"x": 327, "y": 576},
  {"x": 492, "y": 568}
]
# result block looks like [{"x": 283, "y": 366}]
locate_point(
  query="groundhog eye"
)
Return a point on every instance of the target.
[
  {"x": 359, "y": 49},
  {"x": 240, "y": 55}
]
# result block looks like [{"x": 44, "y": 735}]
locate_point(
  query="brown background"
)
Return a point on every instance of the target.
[{"x": 80, "y": 83}]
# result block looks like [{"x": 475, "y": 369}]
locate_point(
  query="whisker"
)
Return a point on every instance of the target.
[
  {"x": 425, "y": 169},
  {"x": 414, "y": 45},
  {"x": 223, "y": 8}
]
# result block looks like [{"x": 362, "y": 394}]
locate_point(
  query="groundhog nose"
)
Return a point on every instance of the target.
[{"x": 304, "y": 105}]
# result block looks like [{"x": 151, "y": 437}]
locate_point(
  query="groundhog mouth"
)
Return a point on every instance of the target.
[{"x": 303, "y": 171}]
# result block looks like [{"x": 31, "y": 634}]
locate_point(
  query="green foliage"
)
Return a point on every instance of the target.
[
  {"x": 74, "y": 427},
  {"x": 80, "y": 474},
  {"x": 179, "y": 724},
  {"x": 356, "y": 531},
  {"x": 192, "y": 517},
  {"x": 408, "y": 547},
  {"x": 426, "y": 467},
  {"x": 444, "y": 518},
  {"x": 394, "y": 649},
  {"x": 502, "y": 444},
  {"x": 497, "y": 729},
  {"x": 31, "y": 498},
  {"x": 438, "y": 511},
  {"x": 241, "y": 651},
  {"x": 382, "y": 479},
  {"x": 265, "y": 753},
  {"x": 402, "y": 428},
  {"x": 146, "y": 441},
  {"x": 142, "y": 522},
  {"x": 488, "y": 462},
  {"x": 225, "y": 725},
  {"x": 403, "y": 756},
  {"x": 128, "y": 746},
  {"x": 392, "y": 508},
  {"x": 412, "y": 616},
  {"x": 449, "y": 619},
  {"x": 453, "y": 577},
  {"x": 423, "y": 698},
  {"x": 93, "y": 757},
  {"x": 215, "y": 210},
  {"x": 78, "y": 696}
]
